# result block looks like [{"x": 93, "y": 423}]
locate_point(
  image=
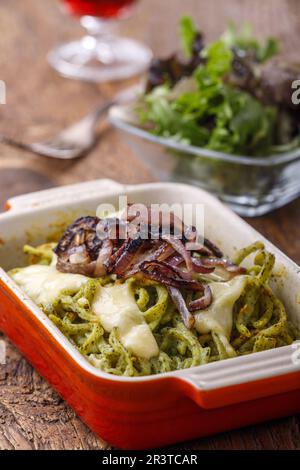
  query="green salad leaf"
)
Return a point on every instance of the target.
[
  {"x": 242, "y": 125},
  {"x": 218, "y": 59},
  {"x": 188, "y": 33},
  {"x": 212, "y": 114},
  {"x": 245, "y": 41},
  {"x": 214, "y": 102}
]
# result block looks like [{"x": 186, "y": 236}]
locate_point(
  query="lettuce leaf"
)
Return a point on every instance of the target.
[
  {"x": 187, "y": 33},
  {"x": 205, "y": 110},
  {"x": 245, "y": 41}
]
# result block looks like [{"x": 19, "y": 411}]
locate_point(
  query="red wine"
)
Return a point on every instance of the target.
[{"x": 100, "y": 8}]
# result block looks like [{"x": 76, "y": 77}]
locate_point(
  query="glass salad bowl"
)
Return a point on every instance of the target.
[{"x": 251, "y": 186}]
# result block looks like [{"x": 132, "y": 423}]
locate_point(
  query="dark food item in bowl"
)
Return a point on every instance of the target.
[
  {"x": 172, "y": 69},
  {"x": 230, "y": 96}
]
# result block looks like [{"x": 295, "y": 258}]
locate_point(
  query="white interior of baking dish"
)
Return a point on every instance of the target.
[{"x": 34, "y": 217}]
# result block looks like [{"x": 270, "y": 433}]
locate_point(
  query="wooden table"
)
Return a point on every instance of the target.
[{"x": 39, "y": 103}]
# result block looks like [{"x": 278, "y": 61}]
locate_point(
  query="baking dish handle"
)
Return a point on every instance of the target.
[
  {"x": 67, "y": 193},
  {"x": 244, "y": 378}
]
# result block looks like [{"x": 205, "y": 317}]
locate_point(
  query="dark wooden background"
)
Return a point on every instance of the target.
[{"x": 39, "y": 103}]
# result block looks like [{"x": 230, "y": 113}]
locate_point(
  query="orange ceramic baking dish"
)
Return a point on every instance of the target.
[{"x": 138, "y": 413}]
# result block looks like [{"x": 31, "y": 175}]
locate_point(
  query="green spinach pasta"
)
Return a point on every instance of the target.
[{"x": 133, "y": 327}]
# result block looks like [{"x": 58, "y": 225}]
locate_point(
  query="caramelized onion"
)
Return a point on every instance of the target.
[
  {"x": 187, "y": 318},
  {"x": 159, "y": 220},
  {"x": 201, "y": 249},
  {"x": 166, "y": 274},
  {"x": 199, "y": 267},
  {"x": 180, "y": 248},
  {"x": 175, "y": 260},
  {"x": 212, "y": 247},
  {"x": 203, "y": 302},
  {"x": 163, "y": 252},
  {"x": 224, "y": 263},
  {"x": 126, "y": 256}
]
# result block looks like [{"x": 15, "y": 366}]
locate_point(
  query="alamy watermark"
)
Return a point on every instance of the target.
[
  {"x": 2, "y": 352},
  {"x": 125, "y": 220},
  {"x": 2, "y": 92},
  {"x": 296, "y": 93},
  {"x": 296, "y": 353}
]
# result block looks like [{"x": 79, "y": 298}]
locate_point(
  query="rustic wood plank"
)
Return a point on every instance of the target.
[{"x": 40, "y": 103}]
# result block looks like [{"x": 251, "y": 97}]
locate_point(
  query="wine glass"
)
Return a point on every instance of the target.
[{"x": 100, "y": 56}]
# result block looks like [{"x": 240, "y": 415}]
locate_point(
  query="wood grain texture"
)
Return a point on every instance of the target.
[{"x": 39, "y": 103}]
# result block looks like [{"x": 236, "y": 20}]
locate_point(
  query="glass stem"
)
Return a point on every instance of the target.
[{"x": 97, "y": 41}]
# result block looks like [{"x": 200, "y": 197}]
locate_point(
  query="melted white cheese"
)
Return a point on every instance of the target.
[
  {"x": 218, "y": 316},
  {"x": 117, "y": 307},
  {"x": 43, "y": 284}
]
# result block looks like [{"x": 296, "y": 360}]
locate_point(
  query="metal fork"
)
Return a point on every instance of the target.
[{"x": 77, "y": 139}]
